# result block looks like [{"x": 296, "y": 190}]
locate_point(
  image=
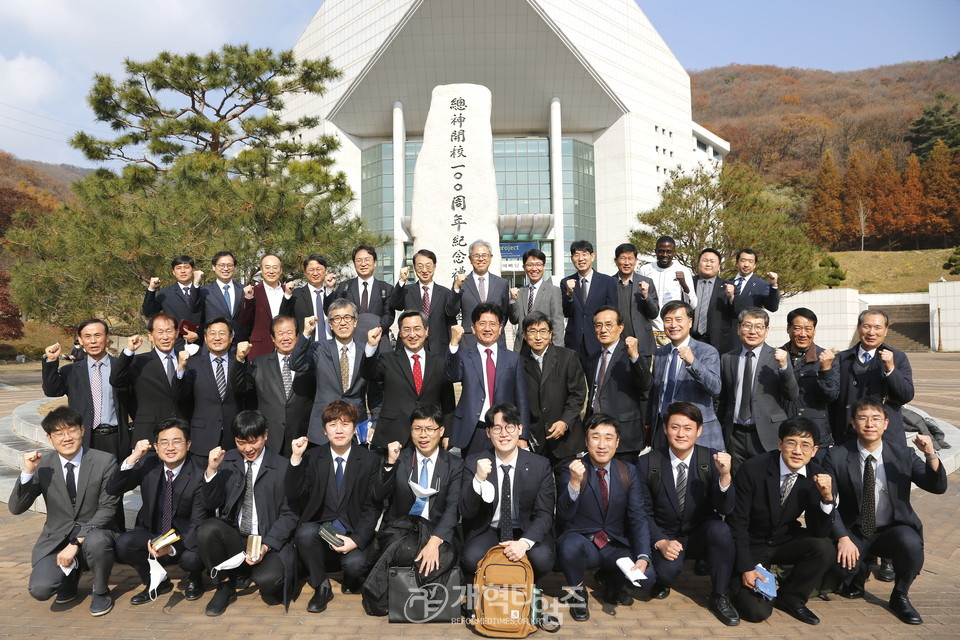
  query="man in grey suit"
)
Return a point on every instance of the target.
[
  {"x": 637, "y": 299},
  {"x": 758, "y": 384},
  {"x": 336, "y": 365},
  {"x": 80, "y": 512},
  {"x": 477, "y": 287},
  {"x": 684, "y": 371},
  {"x": 538, "y": 295}
]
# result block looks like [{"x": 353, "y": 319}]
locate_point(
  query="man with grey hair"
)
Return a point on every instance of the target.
[{"x": 478, "y": 286}]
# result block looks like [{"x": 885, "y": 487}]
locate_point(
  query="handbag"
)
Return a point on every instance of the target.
[{"x": 412, "y": 602}]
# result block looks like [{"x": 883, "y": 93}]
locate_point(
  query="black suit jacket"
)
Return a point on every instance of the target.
[
  {"x": 172, "y": 300},
  {"x": 357, "y": 508},
  {"x": 151, "y": 396},
  {"x": 534, "y": 496},
  {"x": 392, "y": 371},
  {"x": 759, "y": 522},
  {"x": 409, "y": 297},
  {"x": 579, "y": 334},
  {"x": 895, "y": 390},
  {"x": 623, "y": 394},
  {"x": 556, "y": 393},
  {"x": 817, "y": 389},
  {"x": 210, "y": 415},
  {"x": 300, "y": 306},
  {"x": 378, "y": 304},
  {"x": 214, "y": 306},
  {"x": 464, "y": 301},
  {"x": 756, "y": 292},
  {"x": 393, "y": 486},
  {"x": 721, "y": 317},
  {"x": 640, "y": 312}
]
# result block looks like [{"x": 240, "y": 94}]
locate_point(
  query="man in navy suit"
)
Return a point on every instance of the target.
[
  {"x": 490, "y": 374},
  {"x": 478, "y": 287},
  {"x": 685, "y": 370},
  {"x": 224, "y": 297},
  {"x": 749, "y": 289},
  {"x": 881, "y": 522},
  {"x": 370, "y": 295},
  {"x": 603, "y": 518},
  {"x": 507, "y": 498},
  {"x": 181, "y": 299},
  {"x": 310, "y": 300},
  {"x": 716, "y": 319},
  {"x": 687, "y": 488},
  {"x": 425, "y": 296},
  {"x": 584, "y": 293}
]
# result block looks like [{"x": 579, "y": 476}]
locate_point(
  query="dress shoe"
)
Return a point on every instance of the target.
[
  {"x": 226, "y": 593},
  {"x": 68, "y": 591},
  {"x": 351, "y": 587},
  {"x": 801, "y": 613},
  {"x": 101, "y": 604},
  {"x": 851, "y": 591},
  {"x": 143, "y": 597},
  {"x": 901, "y": 607},
  {"x": 577, "y": 603},
  {"x": 625, "y": 597},
  {"x": 194, "y": 588},
  {"x": 318, "y": 603},
  {"x": 659, "y": 591},
  {"x": 721, "y": 607},
  {"x": 885, "y": 571},
  {"x": 701, "y": 568}
]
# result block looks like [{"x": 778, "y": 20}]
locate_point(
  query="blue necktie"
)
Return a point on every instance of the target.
[
  {"x": 866, "y": 358},
  {"x": 670, "y": 387},
  {"x": 739, "y": 285},
  {"x": 420, "y": 503},
  {"x": 226, "y": 296},
  {"x": 339, "y": 473}
]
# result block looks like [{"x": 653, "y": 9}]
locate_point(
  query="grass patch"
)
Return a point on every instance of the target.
[{"x": 893, "y": 271}]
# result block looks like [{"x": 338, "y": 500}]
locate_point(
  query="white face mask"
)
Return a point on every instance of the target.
[
  {"x": 157, "y": 575},
  {"x": 229, "y": 563},
  {"x": 419, "y": 491}
]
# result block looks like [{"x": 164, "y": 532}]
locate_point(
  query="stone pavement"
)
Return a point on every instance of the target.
[{"x": 936, "y": 593}]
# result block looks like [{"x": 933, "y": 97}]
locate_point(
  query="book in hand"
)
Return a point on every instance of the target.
[
  {"x": 164, "y": 540},
  {"x": 331, "y": 534},
  {"x": 254, "y": 544},
  {"x": 768, "y": 589},
  {"x": 185, "y": 326}
]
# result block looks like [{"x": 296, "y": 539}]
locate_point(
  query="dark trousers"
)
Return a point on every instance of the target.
[
  {"x": 899, "y": 543},
  {"x": 132, "y": 550},
  {"x": 541, "y": 555},
  {"x": 810, "y": 557},
  {"x": 711, "y": 540},
  {"x": 95, "y": 555},
  {"x": 319, "y": 557},
  {"x": 578, "y": 554},
  {"x": 744, "y": 444},
  {"x": 218, "y": 541}
]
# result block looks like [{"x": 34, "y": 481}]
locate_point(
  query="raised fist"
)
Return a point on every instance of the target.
[
  {"x": 330, "y": 281},
  {"x": 633, "y": 347},
  {"x": 577, "y": 471},
  {"x": 214, "y": 458},
  {"x": 723, "y": 461},
  {"x": 52, "y": 352},
  {"x": 826, "y": 359},
  {"x": 644, "y": 288},
  {"x": 404, "y": 274},
  {"x": 730, "y": 290},
  {"x": 309, "y": 326},
  {"x": 456, "y": 334},
  {"x": 458, "y": 280},
  {"x": 134, "y": 342},
  {"x": 288, "y": 288},
  {"x": 514, "y": 292},
  {"x": 782, "y": 357},
  {"x": 773, "y": 278},
  {"x": 484, "y": 467},
  {"x": 248, "y": 292},
  {"x": 571, "y": 285},
  {"x": 243, "y": 348},
  {"x": 154, "y": 283},
  {"x": 182, "y": 358},
  {"x": 31, "y": 461},
  {"x": 298, "y": 447},
  {"x": 886, "y": 357},
  {"x": 824, "y": 485},
  {"x": 681, "y": 277},
  {"x": 393, "y": 452},
  {"x": 197, "y": 278},
  {"x": 686, "y": 354},
  {"x": 374, "y": 335},
  {"x": 139, "y": 450}
]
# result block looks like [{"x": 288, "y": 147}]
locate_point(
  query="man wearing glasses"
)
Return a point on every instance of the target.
[
  {"x": 477, "y": 287},
  {"x": 584, "y": 294},
  {"x": 538, "y": 295},
  {"x": 312, "y": 298},
  {"x": 336, "y": 367},
  {"x": 371, "y": 295},
  {"x": 224, "y": 297},
  {"x": 427, "y": 296}
]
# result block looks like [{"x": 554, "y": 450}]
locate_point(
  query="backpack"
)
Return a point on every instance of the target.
[
  {"x": 504, "y": 595},
  {"x": 653, "y": 468}
]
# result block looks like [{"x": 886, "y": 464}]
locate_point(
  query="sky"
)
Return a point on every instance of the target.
[{"x": 51, "y": 49}]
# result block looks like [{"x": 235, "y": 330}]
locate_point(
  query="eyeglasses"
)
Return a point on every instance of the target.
[
  {"x": 533, "y": 265},
  {"x": 343, "y": 319},
  {"x": 498, "y": 429},
  {"x": 869, "y": 419},
  {"x": 480, "y": 256},
  {"x": 545, "y": 333},
  {"x": 605, "y": 325},
  {"x": 406, "y": 331},
  {"x": 423, "y": 430},
  {"x": 224, "y": 265},
  {"x": 754, "y": 327},
  {"x": 62, "y": 434},
  {"x": 176, "y": 442},
  {"x": 791, "y": 445}
]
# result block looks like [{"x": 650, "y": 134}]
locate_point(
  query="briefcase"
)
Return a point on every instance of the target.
[{"x": 438, "y": 601}]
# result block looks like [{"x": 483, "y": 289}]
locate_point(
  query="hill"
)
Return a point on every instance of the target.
[{"x": 52, "y": 179}]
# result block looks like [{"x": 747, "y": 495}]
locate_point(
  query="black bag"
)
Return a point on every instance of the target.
[{"x": 437, "y": 601}]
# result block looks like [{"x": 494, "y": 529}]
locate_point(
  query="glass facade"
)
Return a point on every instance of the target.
[
  {"x": 376, "y": 201},
  {"x": 523, "y": 178},
  {"x": 579, "y": 192}
]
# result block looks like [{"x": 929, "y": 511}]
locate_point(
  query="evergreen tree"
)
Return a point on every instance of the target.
[{"x": 939, "y": 121}]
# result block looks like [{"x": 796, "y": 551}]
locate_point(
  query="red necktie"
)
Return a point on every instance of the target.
[
  {"x": 417, "y": 374},
  {"x": 600, "y": 538},
  {"x": 491, "y": 374}
]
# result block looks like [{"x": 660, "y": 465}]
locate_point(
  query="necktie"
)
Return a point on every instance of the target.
[
  {"x": 482, "y": 288},
  {"x": 96, "y": 391},
  {"x": 186, "y": 292},
  {"x": 71, "y": 483},
  {"x": 364, "y": 299},
  {"x": 226, "y": 296},
  {"x": 739, "y": 285},
  {"x": 787, "y": 487},
  {"x": 491, "y": 375},
  {"x": 702, "y": 308},
  {"x": 417, "y": 373},
  {"x": 681, "y": 486},
  {"x": 221, "y": 378},
  {"x": 344, "y": 369},
  {"x": 868, "y": 507},
  {"x": 600, "y": 376},
  {"x": 287, "y": 376},
  {"x": 171, "y": 370},
  {"x": 320, "y": 331},
  {"x": 600, "y": 538},
  {"x": 533, "y": 290},
  {"x": 424, "y": 482},
  {"x": 339, "y": 474},
  {"x": 746, "y": 391},
  {"x": 246, "y": 518},
  {"x": 166, "y": 504},
  {"x": 583, "y": 290},
  {"x": 506, "y": 506},
  {"x": 425, "y": 304},
  {"x": 866, "y": 358},
  {"x": 671, "y": 384}
]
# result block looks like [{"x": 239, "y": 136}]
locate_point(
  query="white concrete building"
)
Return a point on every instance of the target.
[{"x": 591, "y": 111}]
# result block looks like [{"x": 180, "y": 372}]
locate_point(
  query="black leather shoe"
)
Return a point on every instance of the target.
[
  {"x": 721, "y": 607},
  {"x": 851, "y": 591},
  {"x": 901, "y": 607},
  {"x": 701, "y": 568},
  {"x": 351, "y": 587},
  {"x": 68, "y": 590},
  {"x": 659, "y": 591},
  {"x": 801, "y": 613},
  {"x": 101, "y": 604},
  {"x": 885, "y": 571},
  {"x": 318, "y": 603},
  {"x": 624, "y": 596},
  {"x": 577, "y": 604},
  {"x": 144, "y": 596},
  {"x": 226, "y": 593},
  {"x": 194, "y": 588}
]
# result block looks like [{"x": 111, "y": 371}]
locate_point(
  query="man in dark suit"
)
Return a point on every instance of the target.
[
  {"x": 282, "y": 395},
  {"x": 584, "y": 293},
  {"x": 310, "y": 300},
  {"x": 873, "y": 480},
  {"x": 687, "y": 488},
  {"x": 409, "y": 377},
  {"x": 224, "y": 297},
  {"x": 151, "y": 380},
  {"x": 750, "y": 290},
  {"x": 370, "y": 295},
  {"x": 818, "y": 379},
  {"x": 86, "y": 383},
  {"x": 758, "y": 384},
  {"x": 773, "y": 490},
  {"x": 333, "y": 487},
  {"x": 169, "y": 483},
  {"x": 268, "y": 297},
  {"x": 207, "y": 390},
  {"x": 507, "y": 498},
  {"x": 685, "y": 370},
  {"x": 872, "y": 368},
  {"x": 335, "y": 365},
  {"x": 427, "y": 297},
  {"x": 78, "y": 530},
  {"x": 637, "y": 299},
  {"x": 418, "y": 529},
  {"x": 245, "y": 488},
  {"x": 602, "y": 517},
  {"x": 181, "y": 299},
  {"x": 619, "y": 379},
  {"x": 557, "y": 390},
  {"x": 478, "y": 287},
  {"x": 537, "y": 295},
  {"x": 715, "y": 321},
  {"x": 490, "y": 374}
]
